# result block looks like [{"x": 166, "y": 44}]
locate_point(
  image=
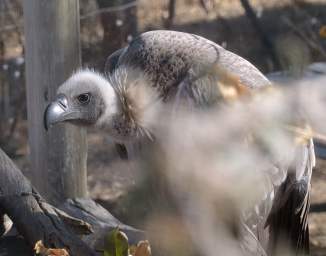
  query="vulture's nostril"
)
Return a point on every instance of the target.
[
  {"x": 56, "y": 111},
  {"x": 62, "y": 104},
  {"x": 62, "y": 101}
]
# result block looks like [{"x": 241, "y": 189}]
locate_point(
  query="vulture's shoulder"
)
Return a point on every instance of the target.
[
  {"x": 112, "y": 61},
  {"x": 169, "y": 52}
]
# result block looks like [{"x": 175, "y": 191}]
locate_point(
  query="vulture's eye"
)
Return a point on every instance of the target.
[{"x": 84, "y": 98}]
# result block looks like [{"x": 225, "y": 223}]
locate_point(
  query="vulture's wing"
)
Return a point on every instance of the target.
[
  {"x": 167, "y": 57},
  {"x": 110, "y": 66},
  {"x": 112, "y": 61}
]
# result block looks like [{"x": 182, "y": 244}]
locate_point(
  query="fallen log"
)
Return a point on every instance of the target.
[
  {"x": 2, "y": 223},
  {"x": 34, "y": 218},
  {"x": 60, "y": 227},
  {"x": 86, "y": 209}
]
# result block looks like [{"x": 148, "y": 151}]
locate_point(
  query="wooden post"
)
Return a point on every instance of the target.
[{"x": 58, "y": 157}]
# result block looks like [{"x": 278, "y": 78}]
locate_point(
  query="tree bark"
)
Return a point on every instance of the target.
[
  {"x": 14, "y": 246},
  {"x": 34, "y": 218},
  {"x": 2, "y": 223},
  {"x": 101, "y": 220}
]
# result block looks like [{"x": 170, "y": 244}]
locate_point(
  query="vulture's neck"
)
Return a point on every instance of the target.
[{"x": 129, "y": 104}]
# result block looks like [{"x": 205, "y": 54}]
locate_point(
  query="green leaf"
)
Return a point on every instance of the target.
[{"x": 116, "y": 244}]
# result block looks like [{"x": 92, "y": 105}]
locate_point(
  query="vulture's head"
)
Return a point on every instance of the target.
[
  {"x": 116, "y": 104},
  {"x": 83, "y": 99}
]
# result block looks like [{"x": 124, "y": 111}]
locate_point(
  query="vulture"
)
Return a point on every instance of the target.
[{"x": 175, "y": 66}]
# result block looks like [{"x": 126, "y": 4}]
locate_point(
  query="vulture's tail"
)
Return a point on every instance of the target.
[
  {"x": 288, "y": 218},
  {"x": 287, "y": 221}
]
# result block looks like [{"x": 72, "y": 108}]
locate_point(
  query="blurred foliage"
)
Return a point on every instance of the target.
[
  {"x": 296, "y": 29},
  {"x": 117, "y": 245}
]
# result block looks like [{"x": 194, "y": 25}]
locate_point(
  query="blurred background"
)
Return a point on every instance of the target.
[{"x": 275, "y": 35}]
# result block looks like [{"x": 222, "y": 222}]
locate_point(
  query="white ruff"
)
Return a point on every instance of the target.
[{"x": 129, "y": 103}]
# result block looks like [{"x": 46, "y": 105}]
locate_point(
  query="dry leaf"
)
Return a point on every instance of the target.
[
  {"x": 42, "y": 250},
  {"x": 322, "y": 31},
  {"x": 143, "y": 248}
]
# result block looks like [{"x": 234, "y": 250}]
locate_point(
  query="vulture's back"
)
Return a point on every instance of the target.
[{"x": 168, "y": 57}]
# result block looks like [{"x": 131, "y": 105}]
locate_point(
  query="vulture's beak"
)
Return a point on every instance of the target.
[{"x": 57, "y": 111}]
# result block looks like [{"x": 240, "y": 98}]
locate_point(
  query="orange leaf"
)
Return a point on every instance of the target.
[
  {"x": 143, "y": 249},
  {"x": 42, "y": 250},
  {"x": 322, "y": 31}
]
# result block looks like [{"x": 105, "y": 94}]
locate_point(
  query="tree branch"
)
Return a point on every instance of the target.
[{"x": 265, "y": 39}]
